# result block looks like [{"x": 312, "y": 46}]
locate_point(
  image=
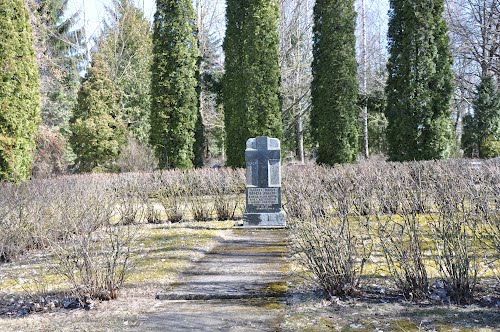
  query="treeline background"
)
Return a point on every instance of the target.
[{"x": 113, "y": 103}]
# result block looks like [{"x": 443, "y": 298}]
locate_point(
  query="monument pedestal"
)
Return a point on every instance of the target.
[{"x": 272, "y": 219}]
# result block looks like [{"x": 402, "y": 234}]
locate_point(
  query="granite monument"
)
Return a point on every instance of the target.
[{"x": 263, "y": 183}]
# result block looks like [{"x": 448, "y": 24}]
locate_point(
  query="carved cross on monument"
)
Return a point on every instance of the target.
[{"x": 263, "y": 187}]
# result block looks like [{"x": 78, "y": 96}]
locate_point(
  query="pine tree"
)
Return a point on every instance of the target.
[
  {"x": 19, "y": 92},
  {"x": 97, "y": 131},
  {"x": 419, "y": 85},
  {"x": 174, "y": 82},
  {"x": 251, "y": 81},
  {"x": 334, "y": 87},
  {"x": 126, "y": 45},
  {"x": 482, "y": 131}
]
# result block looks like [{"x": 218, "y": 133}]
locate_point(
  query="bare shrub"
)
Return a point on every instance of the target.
[
  {"x": 227, "y": 192},
  {"x": 94, "y": 255},
  {"x": 402, "y": 247},
  {"x": 172, "y": 195},
  {"x": 153, "y": 215},
  {"x": 49, "y": 158},
  {"x": 454, "y": 227},
  {"x": 485, "y": 188},
  {"x": 325, "y": 232},
  {"x": 136, "y": 157},
  {"x": 198, "y": 185},
  {"x": 401, "y": 236},
  {"x": 16, "y": 222},
  {"x": 327, "y": 247},
  {"x": 148, "y": 188},
  {"x": 305, "y": 195},
  {"x": 420, "y": 211},
  {"x": 130, "y": 202}
]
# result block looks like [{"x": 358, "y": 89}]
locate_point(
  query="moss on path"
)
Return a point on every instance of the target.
[{"x": 239, "y": 286}]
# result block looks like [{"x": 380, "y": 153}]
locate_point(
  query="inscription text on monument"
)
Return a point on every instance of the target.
[{"x": 263, "y": 196}]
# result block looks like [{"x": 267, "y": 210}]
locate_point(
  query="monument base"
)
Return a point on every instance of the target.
[{"x": 269, "y": 219}]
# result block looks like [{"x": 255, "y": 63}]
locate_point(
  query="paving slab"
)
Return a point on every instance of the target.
[{"x": 239, "y": 286}]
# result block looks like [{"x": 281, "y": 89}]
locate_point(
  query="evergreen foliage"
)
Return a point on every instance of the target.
[
  {"x": 252, "y": 76},
  {"x": 377, "y": 122},
  {"x": 481, "y": 135},
  {"x": 199, "y": 131},
  {"x": 334, "y": 87},
  {"x": 199, "y": 143},
  {"x": 98, "y": 133},
  {"x": 210, "y": 126},
  {"x": 60, "y": 46},
  {"x": 126, "y": 45},
  {"x": 419, "y": 85},
  {"x": 19, "y": 92},
  {"x": 174, "y": 82},
  {"x": 470, "y": 137}
]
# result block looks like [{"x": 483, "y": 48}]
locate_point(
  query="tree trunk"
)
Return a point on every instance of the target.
[{"x": 364, "y": 89}]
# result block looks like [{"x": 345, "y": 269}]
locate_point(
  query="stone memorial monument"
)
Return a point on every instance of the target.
[{"x": 263, "y": 187}]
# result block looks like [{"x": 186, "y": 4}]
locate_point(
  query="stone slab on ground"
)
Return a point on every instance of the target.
[
  {"x": 215, "y": 315},
  {"x": 239, "y": 286}
]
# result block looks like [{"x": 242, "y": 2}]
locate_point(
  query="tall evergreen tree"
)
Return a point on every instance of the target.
[
  {"x": 98, "y": 133},
  {"x": 482, "y": 131},
  {"x": 419, "y": 85},
  {"x": 251, "y": 81},
  {"x": 199, "y": 144},
  {"x": 126, "y": 45},
  {"x": 211, "y": 143},
  {"x": 19, "y": 92},
  {"x": 174, "y": 82},
  {"x": 61, "y": 45},
  {"x": 334, "y": 87}
]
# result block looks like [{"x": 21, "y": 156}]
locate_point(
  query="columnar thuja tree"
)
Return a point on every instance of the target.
[
  {"x": 419, "y": 85},
  {"x": 251, "y": 81},
  {"x": 334, "y": 87},
  {"x": 482, "y": 131},
  {"x": 98, "y": 133},
  {"x": 174, "y": 82},
  {"x": 19, "y": 92}
]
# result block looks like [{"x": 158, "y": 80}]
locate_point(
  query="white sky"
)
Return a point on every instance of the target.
[{"x": 94, "y": 12}]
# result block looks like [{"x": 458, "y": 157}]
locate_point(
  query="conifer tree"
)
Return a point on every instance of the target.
[
  {"x": 251, "y": 81},
  {"x": 98, "y": 133},
  {"x": 19, "y": 92},
  {"x": 199, "y": 144},
  {"x": 126, "y": 45},
  {"x": 419, "y": 85},
  {"x": 174, "y": 82},
  {"x": 334, "y": 87},
  {"x": 482, "y": 131},
  {"x": 61, "y": 45},
  {"x": 210, "y": 126}
]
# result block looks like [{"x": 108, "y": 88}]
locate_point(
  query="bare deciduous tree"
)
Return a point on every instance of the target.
[
  {"x": 295, "y": 34},
  {"x": 475, "y": 44}
]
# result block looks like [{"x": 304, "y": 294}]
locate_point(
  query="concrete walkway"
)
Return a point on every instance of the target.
[{"x": 239, "y": 286}]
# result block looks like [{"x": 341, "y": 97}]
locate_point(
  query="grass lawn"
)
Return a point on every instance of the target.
[{"x": 163, "y": 252}]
